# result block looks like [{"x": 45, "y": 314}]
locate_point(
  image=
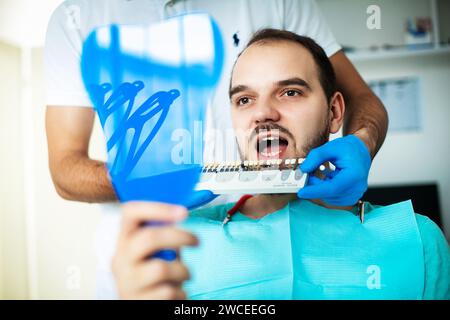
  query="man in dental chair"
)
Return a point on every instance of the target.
[{"x": 280, "y": 246}]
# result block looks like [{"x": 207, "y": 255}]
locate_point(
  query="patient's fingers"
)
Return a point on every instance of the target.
[
  {"x": 163, "y": 292},
  {"x": 149, "y": 240},
  {"x": 135, "y": 214},
  {"x": 156, "y": 271}
]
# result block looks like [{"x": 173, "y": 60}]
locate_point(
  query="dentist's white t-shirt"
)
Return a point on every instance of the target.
[{"x": 72, "y": 22}]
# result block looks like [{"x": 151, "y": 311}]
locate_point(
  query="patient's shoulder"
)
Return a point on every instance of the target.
[
  {"x": 437, "y": 259},
  {"x": 430, "y": 233},
  {"x": 428, "y": 227}
]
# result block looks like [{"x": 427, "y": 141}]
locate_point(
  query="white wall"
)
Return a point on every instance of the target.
[
  {"x": 64, "y": 230},
  {"x": 13, "y": 264},
  {"x": 46, "y": 243},
  {"x": 24, "y": 22}
]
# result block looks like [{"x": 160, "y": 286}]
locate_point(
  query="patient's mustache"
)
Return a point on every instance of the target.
[{"x": 270, "y": 126}]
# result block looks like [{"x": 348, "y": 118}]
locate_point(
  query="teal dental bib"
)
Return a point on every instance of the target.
[{"x": 305, "y": 251}]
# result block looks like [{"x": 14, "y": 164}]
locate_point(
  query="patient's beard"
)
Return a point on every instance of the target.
[{"x": 316, "y": 141}]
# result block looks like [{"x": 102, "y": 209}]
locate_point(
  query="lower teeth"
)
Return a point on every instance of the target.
[{"x": 271, "y": 154}]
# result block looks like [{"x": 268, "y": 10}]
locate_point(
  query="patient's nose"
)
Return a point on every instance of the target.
[{"x": 266, "y": 111}]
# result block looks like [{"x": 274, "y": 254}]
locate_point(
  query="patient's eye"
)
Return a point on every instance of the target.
[
  {"x": 292, "y": 93},
  {"x": 243, "y": 101}
]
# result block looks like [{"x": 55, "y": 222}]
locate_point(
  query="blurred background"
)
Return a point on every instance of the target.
[{"x": 46, "y": 243}]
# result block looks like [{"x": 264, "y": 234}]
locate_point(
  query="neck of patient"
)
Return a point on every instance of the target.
[{"x": 264, "y": 204}]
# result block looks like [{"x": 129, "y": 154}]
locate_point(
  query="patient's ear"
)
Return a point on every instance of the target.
[{"x": 337, "y": 110}]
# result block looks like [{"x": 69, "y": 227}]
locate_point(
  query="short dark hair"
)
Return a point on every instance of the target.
[{"x": 327, "y": 77}]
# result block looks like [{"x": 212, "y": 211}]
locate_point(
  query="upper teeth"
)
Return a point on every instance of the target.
[{"x": 270, "y": 139}]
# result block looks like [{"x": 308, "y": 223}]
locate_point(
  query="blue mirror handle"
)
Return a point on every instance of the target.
[{"x": 166, "y": 254}]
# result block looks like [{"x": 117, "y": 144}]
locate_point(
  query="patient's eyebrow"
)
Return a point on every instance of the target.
[
  {"x": 283, "y": 83},
  {"x": 237, "y": 89},
  {"x": 294, "y": 82}
]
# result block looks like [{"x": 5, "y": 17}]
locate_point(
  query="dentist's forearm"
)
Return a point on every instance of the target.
[
  {"x": 365, "y": 115},
  {"x": 367, "y": 118},
  {"x": 79, "y": 178}
]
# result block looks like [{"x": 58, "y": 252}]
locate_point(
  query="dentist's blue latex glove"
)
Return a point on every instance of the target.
[
  {"x": 200, "y": 198},
  {"x": 346, "y": 185}
]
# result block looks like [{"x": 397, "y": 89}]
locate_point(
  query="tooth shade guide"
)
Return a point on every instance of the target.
[
  {"x": 253, "y": 177},
  {"x": 253, "y": 165}
]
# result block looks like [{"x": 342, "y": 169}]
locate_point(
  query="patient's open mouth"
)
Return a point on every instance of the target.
[{"x": 271, "y": 147}]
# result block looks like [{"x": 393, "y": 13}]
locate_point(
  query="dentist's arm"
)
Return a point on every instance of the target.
[
  {"x": 75, "y": 176},
  {"x": 365, "y": 115}
]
